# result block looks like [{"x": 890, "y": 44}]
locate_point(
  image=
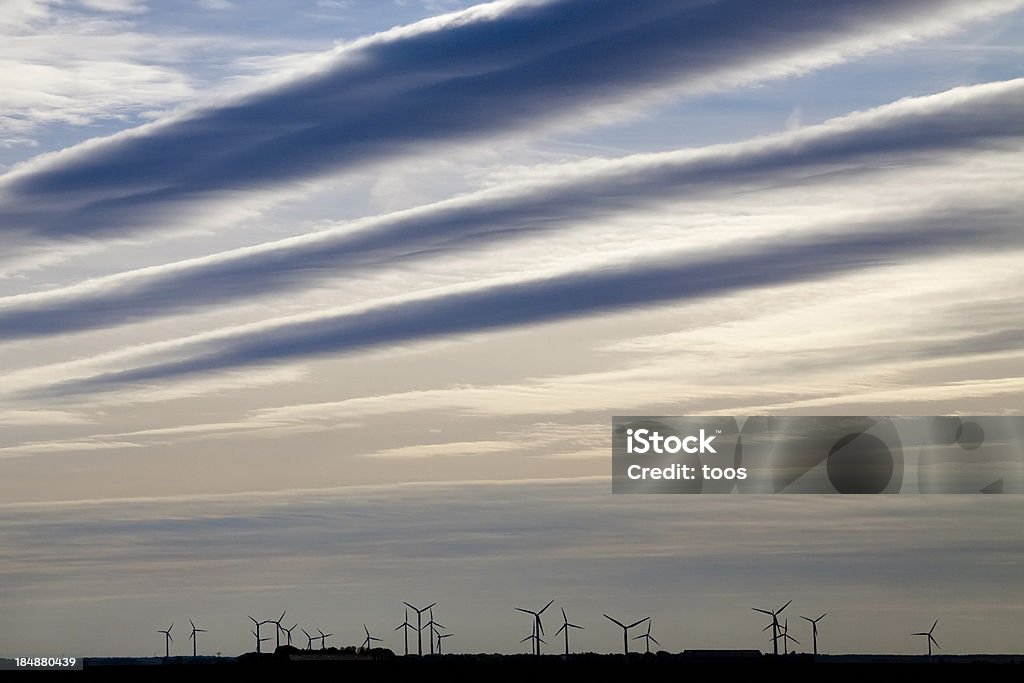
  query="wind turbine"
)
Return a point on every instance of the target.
[
  {"x": 309, "y": 640},
  {"x": 195, "y": 641},
  {"x": 432, "y": 627},
  {"x": 258, "y": 625},
  {"x": 277, "y": 623},
  {"x": 369, "y": 639},
  {"x": 538, "y": 627},
  {"x": 928, "y": 635},
  {"x": 259, "y": 640},
  {"x": 775, "y": 624},
  {"x": 625, "y": 631},
  {"x": 565, "y": 627},
  {"x": 533, "y": 638},
  {"x": 419, "y": 625},
  {"x": 405, "y": 626},
  {"x": 323, "y": 639},
  {"x": 440, "y": 639},
  {"x": 814, "y": 629},
  {"x": 289, "y": 632},
  {"x": 167, "y": 640},
  {"x": 786, "y": 637},
  {"x": 648, "y": 637}
]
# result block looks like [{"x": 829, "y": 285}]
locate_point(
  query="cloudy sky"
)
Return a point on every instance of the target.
[{"x": 326, "y": 305}]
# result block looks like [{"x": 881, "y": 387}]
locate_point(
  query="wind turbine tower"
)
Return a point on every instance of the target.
[
  {"x": 194, "y": 639},
  {"x": 814, "y": 630},
  {"x": 419, "y": 625},
  {"x": 565, "y": 627},
  {"x": 625, "y": 631},
  {"x": 928, "y": 634}
]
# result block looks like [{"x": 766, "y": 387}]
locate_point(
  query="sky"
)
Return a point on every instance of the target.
[{"x": 323, "y": 306}]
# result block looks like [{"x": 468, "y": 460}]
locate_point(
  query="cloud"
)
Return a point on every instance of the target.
[
  {"x": 62, "y": 67},
  {"x": 932, "y": 131},
  {"x": 612, "y": 287},
  {"x": 117, "y": 6},
  {"x": 438, "y": 450},
  {"x": 465, "y": 76}
]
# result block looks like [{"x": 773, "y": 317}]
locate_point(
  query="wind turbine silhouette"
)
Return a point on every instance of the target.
[
  {"x": 533, "y": 638},
  {"x": 625, "y": 631},
  {"x": 419, "y": 625},
  {"x": 167, "y": 641},
  {"x": 538, "y": 627},
  {"x": 195, "y": 641},
  {"x": 259, "y": 640},
  {"x": 432, "y": 627},
  {"x": 405, "y": 626},
  {"x": 309, "y": 640},
  {"x": 440, "y": 639},
  {"x": 565, "y": 627},
  {"x": 279, "y": 628},
  {"x": 786, "y": 637},
  {"x": 928, "y": 635},
  {"x": 648, "y": 637},
  {"x": 323, "y": 639},
  {"x": 814, "y": 629},
  {"x": 258, "y": 625},
  {"x": 774, "y": 625},
  {"x": 369, "y": 639},
  {"x": 289, "y": 632}
]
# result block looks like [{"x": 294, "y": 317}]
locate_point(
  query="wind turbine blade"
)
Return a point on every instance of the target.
[
  {"x": 192, "y": 636},
  {"x": 526, "y": 611},
  {"x": 564, "y": 618},
  {"x": 806, "y": 619},
  {"x": 529, "y": 637},
  {"x": 192, "y": 623},
  {"x": 637, "y": 623},
  {"x": 575, "y": 626},
  {"x": 935, "y": 642},
  {"x": 655, "y": 641},
  {"x": 767, "y": 627},
  {"x": 762, "y": 611},
  {"x": 615, "y": 620},
  {"x": 560, "y": 629},
  {"x": 429, "y": 606},
  {"x": 409, "y": 606},
  {"x": 546, "y": 606},
  {"x": 822, "y": 616},
  {"x": 642, "y": 635},
  {"x": 304, "y": 631},
  {"x": 918, "y": 634},
  {"x": 933, "y": 626},
  {"x": 793, "y": 639},
  {"x": 783, "y": 607}
]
